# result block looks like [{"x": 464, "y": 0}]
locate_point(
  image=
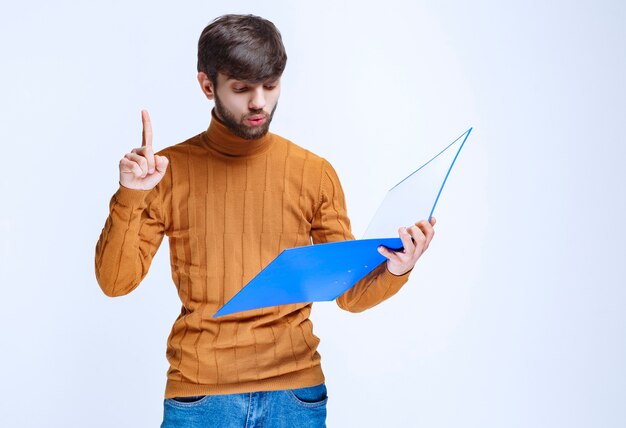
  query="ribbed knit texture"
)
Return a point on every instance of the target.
[{"x": 229, "y": 206}]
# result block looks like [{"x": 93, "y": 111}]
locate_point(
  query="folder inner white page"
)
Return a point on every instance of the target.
[{"x": 415, "y": 197}]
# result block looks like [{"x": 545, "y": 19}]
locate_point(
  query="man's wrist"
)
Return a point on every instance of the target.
[
  {"x": 130, "y": 197},
  {"x": 391, "y": 271}
]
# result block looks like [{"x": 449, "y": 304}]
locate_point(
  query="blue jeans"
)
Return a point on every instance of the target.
[{"x": 291, "y": 408}]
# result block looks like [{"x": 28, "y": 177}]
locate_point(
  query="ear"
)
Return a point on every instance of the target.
[{"x": 206, "y": 85}]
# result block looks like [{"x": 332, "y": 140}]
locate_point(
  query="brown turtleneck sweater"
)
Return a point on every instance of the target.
[{"x": 229, "y": 206}]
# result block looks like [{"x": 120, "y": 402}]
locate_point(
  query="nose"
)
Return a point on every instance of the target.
[{"x": 257, "y": 100}]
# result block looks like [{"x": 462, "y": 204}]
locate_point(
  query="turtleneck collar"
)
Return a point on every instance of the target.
[{"x": 223, "y": 142}]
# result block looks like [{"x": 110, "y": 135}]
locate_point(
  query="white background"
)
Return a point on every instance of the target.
[{"x": 514, "y": 317}]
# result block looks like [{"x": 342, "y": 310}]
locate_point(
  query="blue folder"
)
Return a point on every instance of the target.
[{"x": 323, "y": 272}]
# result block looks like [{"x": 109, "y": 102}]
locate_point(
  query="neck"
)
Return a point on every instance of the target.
[{"x": 223, "y": 142}]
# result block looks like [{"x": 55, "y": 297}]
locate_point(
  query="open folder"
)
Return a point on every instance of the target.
[{"x": 323, "y": 272}]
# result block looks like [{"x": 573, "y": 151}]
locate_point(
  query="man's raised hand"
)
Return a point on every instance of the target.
[{"x": 141, "y": 169}]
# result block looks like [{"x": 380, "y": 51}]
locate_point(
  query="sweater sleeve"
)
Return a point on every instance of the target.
[
  {"x": 131, "y": 236},
  {"x": 331, "y": 224}
]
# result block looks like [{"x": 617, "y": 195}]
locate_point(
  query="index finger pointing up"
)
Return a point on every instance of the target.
[{"x": 146, "y": 135}]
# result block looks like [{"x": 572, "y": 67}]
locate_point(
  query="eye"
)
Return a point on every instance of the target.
[{"x": 240, "y": 89}]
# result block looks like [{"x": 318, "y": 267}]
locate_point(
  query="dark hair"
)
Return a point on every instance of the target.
[{"x": 245, "y": 47}]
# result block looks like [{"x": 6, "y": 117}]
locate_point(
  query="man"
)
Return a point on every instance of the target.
[{"x": 230, "y": 199}]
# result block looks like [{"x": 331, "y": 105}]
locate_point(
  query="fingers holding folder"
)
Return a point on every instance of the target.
[{"x": 415, "y": 240}]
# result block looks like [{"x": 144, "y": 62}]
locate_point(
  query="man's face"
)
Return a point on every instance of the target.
[{"x": 246, "y": 108}]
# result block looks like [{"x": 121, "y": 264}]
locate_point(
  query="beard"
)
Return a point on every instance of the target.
[{"x": 239, "y": 128}]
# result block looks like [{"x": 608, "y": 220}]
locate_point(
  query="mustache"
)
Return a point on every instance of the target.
[
  {"x": 257, "y": 113},
  {"x": 262, "y": 112}
]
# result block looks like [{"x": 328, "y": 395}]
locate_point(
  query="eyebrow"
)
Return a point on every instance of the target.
[{"x": 253, "y": 83}]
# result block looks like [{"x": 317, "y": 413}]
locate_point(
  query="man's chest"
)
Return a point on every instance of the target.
[{"x": 247, "y": 197}]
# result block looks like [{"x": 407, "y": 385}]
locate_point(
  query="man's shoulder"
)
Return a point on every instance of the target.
[
  {"x": 184, "y": 147},
  {"x": 294, "y": 150}
]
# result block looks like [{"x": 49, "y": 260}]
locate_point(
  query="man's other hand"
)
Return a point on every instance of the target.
[
  {"x": 415, "y": 240},
  {"x": 141, "y": 169}
]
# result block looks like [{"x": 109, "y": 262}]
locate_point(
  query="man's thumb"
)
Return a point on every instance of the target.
[{"x": 160, "y": 163}]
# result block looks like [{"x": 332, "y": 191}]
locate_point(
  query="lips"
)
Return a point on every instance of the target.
[{"x": 256, "y": 120}]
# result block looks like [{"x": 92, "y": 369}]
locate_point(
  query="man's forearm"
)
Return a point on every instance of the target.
[{"x": 129, "y": 239}]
